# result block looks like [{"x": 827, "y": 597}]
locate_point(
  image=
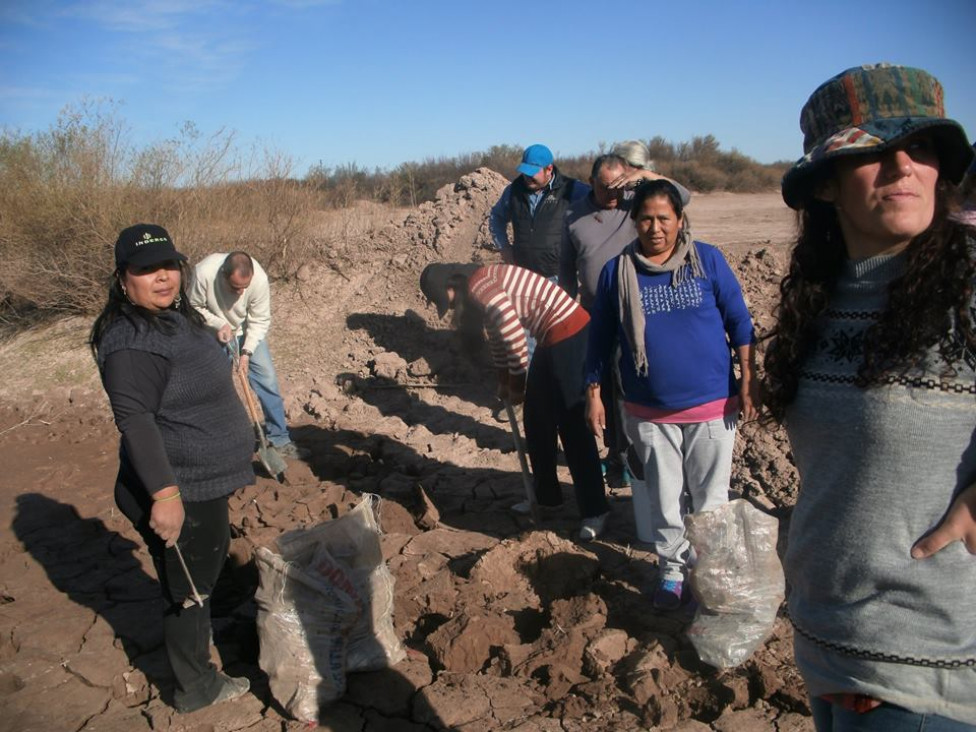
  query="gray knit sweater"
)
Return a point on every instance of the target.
[
  {"x": 879, "y": 467},
  {"x": 204, "y": 428}
]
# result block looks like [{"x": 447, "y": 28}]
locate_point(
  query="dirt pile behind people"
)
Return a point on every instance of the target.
[{"x": 507, "y": 625}]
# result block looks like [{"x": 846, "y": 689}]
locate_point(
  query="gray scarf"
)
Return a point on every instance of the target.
[{"x": 683, "y": 263}]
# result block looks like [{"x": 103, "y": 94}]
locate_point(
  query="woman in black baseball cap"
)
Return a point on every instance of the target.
[{"x": 186, "y": 445}]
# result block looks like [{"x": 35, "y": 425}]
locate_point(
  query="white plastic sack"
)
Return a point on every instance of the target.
[
  {"x": 738, "y": 581},
  {"x": 303, "y": 621},
  {"x": 353, "y": 542}
]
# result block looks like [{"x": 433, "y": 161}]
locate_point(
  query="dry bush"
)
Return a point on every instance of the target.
[
  {"x": 699, "y": 164},
  {"x": 55, "y": 212},
  {"x": 66, "y": 193}
]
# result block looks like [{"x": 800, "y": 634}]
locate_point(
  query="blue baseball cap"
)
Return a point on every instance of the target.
[{"x": 534, "y": 159}]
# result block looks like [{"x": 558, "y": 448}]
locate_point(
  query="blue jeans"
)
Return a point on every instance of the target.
[
  {"x": 264, "y": 382},
  {"x": 830, "y": 717}
]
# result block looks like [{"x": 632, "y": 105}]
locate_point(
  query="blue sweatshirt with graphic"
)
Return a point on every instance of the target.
[{"x": 690, "y": 332}]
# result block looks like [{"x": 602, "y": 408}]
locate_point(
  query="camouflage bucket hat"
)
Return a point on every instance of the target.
[{"x": 867, "y": 109}]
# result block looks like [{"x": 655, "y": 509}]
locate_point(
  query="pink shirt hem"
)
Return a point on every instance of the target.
[{"x": 706, "y": 412}]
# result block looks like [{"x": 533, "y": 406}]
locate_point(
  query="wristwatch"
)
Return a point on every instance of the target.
[{"x": 245, "y": 352}]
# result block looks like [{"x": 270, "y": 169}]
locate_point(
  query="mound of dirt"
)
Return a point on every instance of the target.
[{"x": 508, "y": 626}]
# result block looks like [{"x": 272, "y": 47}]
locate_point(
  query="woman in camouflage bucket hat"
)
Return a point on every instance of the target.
[{"x": 872, "y": 370}]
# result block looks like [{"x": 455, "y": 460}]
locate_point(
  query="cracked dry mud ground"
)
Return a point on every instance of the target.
[{"x": 508, "y": 626}]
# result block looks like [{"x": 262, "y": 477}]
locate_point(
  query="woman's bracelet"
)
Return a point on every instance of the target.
[{"x": 168, "y": 498}]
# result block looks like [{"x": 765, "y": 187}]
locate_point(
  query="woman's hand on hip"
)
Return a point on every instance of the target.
[
  {"x": 166, "y": 515},
  {"x": 959, "y": 524}
]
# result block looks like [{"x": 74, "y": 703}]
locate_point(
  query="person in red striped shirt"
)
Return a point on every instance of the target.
[{"x": 505, "y": 301}]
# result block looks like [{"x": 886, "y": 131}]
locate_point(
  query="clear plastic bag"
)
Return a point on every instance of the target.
[
  {"x": 738, "y": 581},
  {"x": 325, "y": 607},
  {"x": 303, "y": 622},
  {"x": 353, "y": 542}
]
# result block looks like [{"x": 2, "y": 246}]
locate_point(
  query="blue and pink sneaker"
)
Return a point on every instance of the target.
[{"x": 667, "y": 596}]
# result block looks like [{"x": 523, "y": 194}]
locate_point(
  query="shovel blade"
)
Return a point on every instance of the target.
[{"x": 272, "y": 462}]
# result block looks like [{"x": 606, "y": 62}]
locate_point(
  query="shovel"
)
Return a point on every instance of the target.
[
  {"x": 197, "y": 598},
  {"x": 269, "y": 457},
  {"x": 523, "y": 462}
]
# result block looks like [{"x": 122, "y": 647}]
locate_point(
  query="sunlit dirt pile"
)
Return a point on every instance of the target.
[{"x": 507, "y": 625}]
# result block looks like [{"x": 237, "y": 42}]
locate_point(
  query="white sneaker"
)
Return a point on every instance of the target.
[
  {"x": 524, "y": 508},
  {"x": 593, "y": 527}
]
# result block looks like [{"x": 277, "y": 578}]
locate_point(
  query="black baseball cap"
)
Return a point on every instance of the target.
[{"x": 143, "y": 245}]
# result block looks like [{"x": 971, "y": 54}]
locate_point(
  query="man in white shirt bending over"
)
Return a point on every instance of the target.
[{"x": 232, "y": 293}]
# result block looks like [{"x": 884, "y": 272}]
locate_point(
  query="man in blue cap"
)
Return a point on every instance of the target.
[{"x": 535, "y": 204}]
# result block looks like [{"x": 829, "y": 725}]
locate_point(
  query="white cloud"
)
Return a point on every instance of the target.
[
  {"x": 25, "y": 94},
  {"x": 302, "y": 4},
  {"x": 142, "y": 16},
  {"x": 188, "y": 45}
]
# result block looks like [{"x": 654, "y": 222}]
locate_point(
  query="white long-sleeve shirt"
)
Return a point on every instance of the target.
[{"x": 248, "y": 315}]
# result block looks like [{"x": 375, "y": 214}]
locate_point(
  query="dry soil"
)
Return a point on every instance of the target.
[{"x": 508, "y": 625}]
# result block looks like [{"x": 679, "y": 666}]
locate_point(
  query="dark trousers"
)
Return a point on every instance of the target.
[
  {"x": 614, "y": 436},
  {"x": 204, "y": 542},
  {"x": 555, "y": 406}
]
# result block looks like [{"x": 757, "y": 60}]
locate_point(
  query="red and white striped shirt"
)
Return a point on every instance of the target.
[{"x": 515, "y": 300}]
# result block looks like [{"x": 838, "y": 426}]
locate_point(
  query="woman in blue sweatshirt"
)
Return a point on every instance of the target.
[{"x": 676, "y": 310}]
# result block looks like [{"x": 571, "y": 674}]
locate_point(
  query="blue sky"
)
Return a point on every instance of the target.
[{"x": 381, "y": 82}]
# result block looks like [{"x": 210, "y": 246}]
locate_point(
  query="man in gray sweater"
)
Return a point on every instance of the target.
[{"x": 598, "y": 226}]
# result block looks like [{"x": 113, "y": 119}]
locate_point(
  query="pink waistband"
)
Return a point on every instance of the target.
[{"x": 706, "y": 412}]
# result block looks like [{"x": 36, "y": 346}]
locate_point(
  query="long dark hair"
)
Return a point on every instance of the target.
[
  {"x": 467, "y": 317},
  {"x": 929, "y": 305},
  {"x": 118, "y": 306}
]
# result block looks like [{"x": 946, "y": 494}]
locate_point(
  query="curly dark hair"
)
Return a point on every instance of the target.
[
  {"x": 927, "y": 306},
  {"x": 118, "y": 306}
]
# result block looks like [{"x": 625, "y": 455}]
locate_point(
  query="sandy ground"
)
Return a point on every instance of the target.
[{"x": 507, "y": 625}]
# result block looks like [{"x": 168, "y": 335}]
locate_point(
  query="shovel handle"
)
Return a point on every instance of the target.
[
  {"x": 186, "y": 570},
  {"x": 249, "y": 404},
  {"x": 523, "y": 462}
]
